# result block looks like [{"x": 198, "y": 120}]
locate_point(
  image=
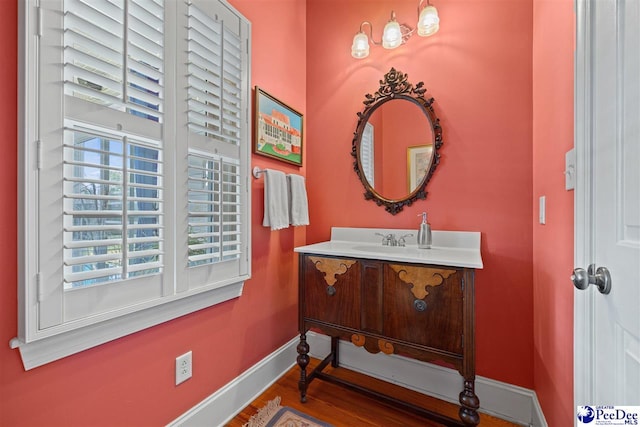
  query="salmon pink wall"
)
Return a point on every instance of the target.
[
  {"x": 506, "y": 110},
  {"x": 478, "y": 69},
  {"x": 131, "y": 381},
  {"x": 553, "y": 76}
]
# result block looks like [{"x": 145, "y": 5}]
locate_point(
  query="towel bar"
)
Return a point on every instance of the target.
[{"x": 257, "y": 171}]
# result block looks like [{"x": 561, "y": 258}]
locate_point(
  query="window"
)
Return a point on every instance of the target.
[
  {"x": 214, "y": 209},
  {"x": 367, "y": 153},
  {"x": 134, "y": 169},
  {"x": 112, "y": 218}
]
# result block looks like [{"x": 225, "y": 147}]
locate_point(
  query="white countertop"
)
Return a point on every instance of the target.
[{"x": 451, "y": 248}]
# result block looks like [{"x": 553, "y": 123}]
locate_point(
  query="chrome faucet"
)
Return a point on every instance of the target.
[
  {"x": 401, "y": 241},
  {"x": 391, "y": 240},
  {"x": 388, "y": 239}
]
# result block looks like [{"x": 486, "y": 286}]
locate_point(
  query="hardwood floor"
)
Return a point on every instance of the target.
[{"x": 344, "y": 408}]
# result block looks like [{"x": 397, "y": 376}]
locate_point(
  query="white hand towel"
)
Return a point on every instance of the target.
[
  {"x": 276, "y": 200},
  {"x": 298, "y": 204}
]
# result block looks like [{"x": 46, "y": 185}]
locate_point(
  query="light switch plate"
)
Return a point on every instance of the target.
[
  {"x": 570, "y": 169},
  {"x": 543, "y": 210}
]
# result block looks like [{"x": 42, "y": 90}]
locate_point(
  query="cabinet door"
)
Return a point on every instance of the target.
[
  {"x": 423, "y": 305},
  {"x": 331, "y": 290}
]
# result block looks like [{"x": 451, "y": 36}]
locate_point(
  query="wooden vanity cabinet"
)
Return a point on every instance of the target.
[
  {"x": 425, "y": 312},
  {"x": 332, "y": 297}
]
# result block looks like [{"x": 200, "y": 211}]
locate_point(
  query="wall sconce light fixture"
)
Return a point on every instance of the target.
[{"x": 395, "y": 34}]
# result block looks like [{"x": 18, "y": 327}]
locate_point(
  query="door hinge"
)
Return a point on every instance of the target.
[
  {"x": 40, "y": 21},
  {"x": 462, "y": 284},
  {"x": 39, "y": 154},
  {"x": 39, "y": 287}
]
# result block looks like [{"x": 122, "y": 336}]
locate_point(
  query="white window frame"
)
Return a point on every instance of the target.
[
  {"x": 40, "y": 346},
  {"x": 367, "y": 155}
]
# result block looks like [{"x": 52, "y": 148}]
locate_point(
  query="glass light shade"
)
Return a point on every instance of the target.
[
  {"x": 429, "y": 22},
  {"x": 360, "y": 46},
  {"x": 391, "y": 36}
]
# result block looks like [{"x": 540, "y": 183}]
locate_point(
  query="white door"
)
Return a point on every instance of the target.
[{"x": 607, "y": 326}]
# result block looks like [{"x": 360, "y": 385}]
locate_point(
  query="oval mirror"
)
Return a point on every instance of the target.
[{"x": 396, "y": 143}]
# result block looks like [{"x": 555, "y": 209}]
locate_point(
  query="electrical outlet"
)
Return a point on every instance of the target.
[{"x": 184, "y": 367}]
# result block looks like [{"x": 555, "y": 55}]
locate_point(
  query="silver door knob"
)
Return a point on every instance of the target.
[{"x": 582, "y": 278}]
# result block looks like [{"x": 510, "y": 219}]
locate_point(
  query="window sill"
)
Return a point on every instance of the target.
[{"x": 41, "y": 352}]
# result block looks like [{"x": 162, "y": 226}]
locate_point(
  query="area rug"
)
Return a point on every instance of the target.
[{"x": 274, "y": 415}]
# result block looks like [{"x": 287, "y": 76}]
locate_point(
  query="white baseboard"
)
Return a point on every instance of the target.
[
  {"x": 219, "y": 408},
  {"x": 538, "y": 415},
  {"x": 516, "y": 404}
]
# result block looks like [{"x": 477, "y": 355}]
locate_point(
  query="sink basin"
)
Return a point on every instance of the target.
[{"x": 386, "y": 249}]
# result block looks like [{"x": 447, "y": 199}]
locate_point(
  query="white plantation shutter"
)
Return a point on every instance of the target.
[
  {"x": 93, "y": 216},
  {"x": 214, "y": 209},
  {"x": 215, "y": 73},
  {"x": 94, "y": 51},
  {"x": 134, "y": 166},
  {"x": 145, "y": 58},
  {"x": 205, "y": 73},
  {"x": 216, "y": 126},
  {"x": 231, "y": 87},
  {"x": 113, "y": 57},
  {"x": 112, "y": 208},
  {"x": 113, "y": 54},
  {"x": 231, "y": 210}
]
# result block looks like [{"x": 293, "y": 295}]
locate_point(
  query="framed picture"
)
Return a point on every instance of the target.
[
  {"x": 278, "y": 129},
  {"x": 418, "y": 163}
]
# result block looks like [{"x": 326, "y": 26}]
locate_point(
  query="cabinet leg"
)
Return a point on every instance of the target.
[
  {"x": 469, "y": 403},
  {"x": 334, "y": 351},
  {"x": 303, "y": 361}
]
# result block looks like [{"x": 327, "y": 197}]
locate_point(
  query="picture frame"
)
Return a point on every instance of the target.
[
  {"x": 278, "y": 129},
  {"x": 419, "y": 159}
]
